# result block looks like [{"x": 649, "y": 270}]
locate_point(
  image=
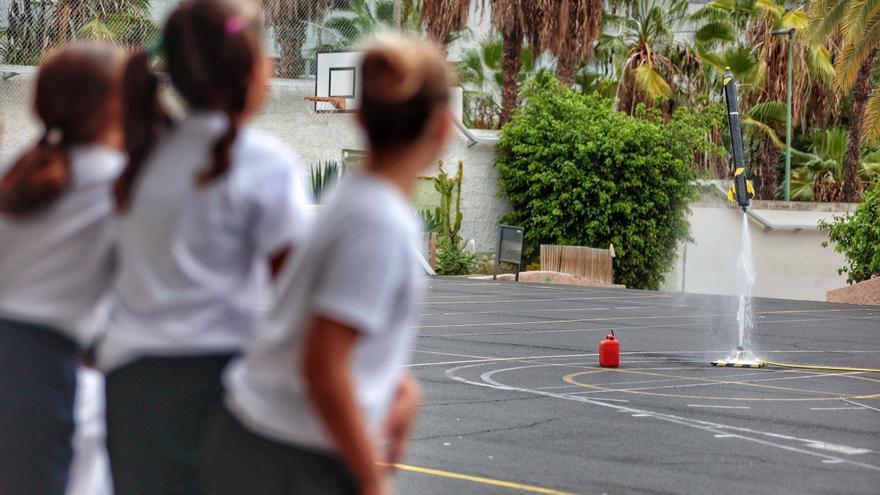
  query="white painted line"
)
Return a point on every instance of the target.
[
  {"x": 725, "y": 435},
  {"x": 615, "y": 400},
  {"x": 641, "y": 415},
  {"x": 747, "y": 434},
  {"x": 837, "y": 409},
  {"x": 840, "y": 449},
  {"x": 860, "y": 404},
  {"x": 832, "y": 461},
  {"x": 719, "y": 407}
]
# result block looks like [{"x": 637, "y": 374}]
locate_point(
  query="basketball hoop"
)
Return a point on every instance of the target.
[{"x": 338, "y": 103}]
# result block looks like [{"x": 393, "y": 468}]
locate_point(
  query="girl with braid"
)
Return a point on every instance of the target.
[
  {"x": 56, "y": 210},
  {"x": 208, "y": 208},
  {"x": 320, "y": 403}
]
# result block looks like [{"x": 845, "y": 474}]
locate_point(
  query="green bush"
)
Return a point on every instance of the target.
[
  {"x": 857, "y": 236},
  {"x": 577, "y": 172}
]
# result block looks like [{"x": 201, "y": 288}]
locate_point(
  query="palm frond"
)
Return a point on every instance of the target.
[
  {"x": 770, "y": 8},
  {"x": 716, "y": 31},
  {"x": 651, "y": 82},
  {"x": 795, "y": 19},
  {"x": 768, "y": 112},
  {"x": 819, "y": 62},
  {"x": 872, "y": 118},
  {"x": 763, "y": 128},
  {"x": 825, "y": 15},
  {"x": 854, "y": 53},
  {"x": 856, "y": 16}
]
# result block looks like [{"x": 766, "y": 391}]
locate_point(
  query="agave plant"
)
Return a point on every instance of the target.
[{"x": 323, "y": 176}]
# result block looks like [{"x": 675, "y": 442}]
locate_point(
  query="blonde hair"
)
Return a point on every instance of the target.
[{"x": 405, "y": 80}]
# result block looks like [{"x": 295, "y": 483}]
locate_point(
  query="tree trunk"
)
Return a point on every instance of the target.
[
  {"x": 765, "y": 169},
  {"x": 861, "y": 91},
  {"x": 290, "y": 61},
  {"x": 566, "y": 68},
  {"x": 511, "y": 60}
]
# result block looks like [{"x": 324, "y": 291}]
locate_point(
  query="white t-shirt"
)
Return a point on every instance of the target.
[
  {"x": 360, "y": 268},
  {"x": 193, "y": 259},
  {"x": 56, "y": 265}
]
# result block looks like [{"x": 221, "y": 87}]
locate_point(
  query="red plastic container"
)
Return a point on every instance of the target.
[{"x": 609, "y": 352}]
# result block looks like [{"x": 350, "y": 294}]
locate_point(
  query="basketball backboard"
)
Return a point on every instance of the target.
[{"x": 338, "y": 80}]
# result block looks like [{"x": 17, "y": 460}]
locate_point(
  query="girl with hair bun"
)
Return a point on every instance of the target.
[
  {"x": 321, "y": 396},
  {"x": 56, "y": 211},
  {"x": 208, "y": 209}
]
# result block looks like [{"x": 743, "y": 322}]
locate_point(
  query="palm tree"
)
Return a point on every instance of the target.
[
  {"x": 648, "y": 36},
  {"x": 289, "y": 20},
  {"x": 444, "y": 17},
  {"x": 858, "y": 22},
  {"x": 481, "y": 74},
  {"x": 359, "y": 20},
  {"x": 517, "y": 21},
  {"x": 568, "y": 31},
  {"x": 737, "y": 34},
  {"x": 35, "y": 26}
]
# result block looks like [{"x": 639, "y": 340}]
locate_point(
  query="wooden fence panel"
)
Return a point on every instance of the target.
[
  {"x": 429, "y": 248},
  {"x": 591, "y": 263}
]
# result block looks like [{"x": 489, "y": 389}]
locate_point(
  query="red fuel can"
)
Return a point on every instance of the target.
[{"x": 609, "y": 352}]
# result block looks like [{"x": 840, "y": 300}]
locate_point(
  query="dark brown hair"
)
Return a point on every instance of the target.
[
  {"x": 211, "y": 49},
  {"x": 74, "y": 87},
  {"x": 405, "y": 80}
]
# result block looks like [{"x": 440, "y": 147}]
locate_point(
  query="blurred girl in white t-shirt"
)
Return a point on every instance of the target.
[
  {"x": 56, "y": 210},
  {"x": 208, "y": 208},
  {"x": 321, "y": 397}
]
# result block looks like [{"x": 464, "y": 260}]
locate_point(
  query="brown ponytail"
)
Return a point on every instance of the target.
[
  {"x": 404, "y": 82},
  {"x": 36, "y": 180},
  {"x": 213, "y": 48},
  {"x": 73, "y": 91},
  {"x": 144, "y": 119}
]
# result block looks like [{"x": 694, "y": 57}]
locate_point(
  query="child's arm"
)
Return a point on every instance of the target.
[
  {"x": 401, "y": 417},
  {"x": 326, "y": 368}
]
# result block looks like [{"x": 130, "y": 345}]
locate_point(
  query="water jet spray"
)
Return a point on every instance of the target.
[{"x": 741, "y": 193}]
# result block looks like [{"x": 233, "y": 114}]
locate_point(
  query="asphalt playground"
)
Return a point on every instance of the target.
[{"x": 515, "y": 401}]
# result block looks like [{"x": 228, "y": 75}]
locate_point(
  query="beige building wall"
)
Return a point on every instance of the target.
[{"x": 790, "y": 262}]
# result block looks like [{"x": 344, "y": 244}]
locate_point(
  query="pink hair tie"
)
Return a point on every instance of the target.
[{"x": 234, "y": 25}]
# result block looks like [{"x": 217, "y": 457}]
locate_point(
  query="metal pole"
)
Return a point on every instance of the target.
[{"x": 787, "y": 188}]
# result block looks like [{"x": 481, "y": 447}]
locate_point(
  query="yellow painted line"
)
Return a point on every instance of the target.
[{"x": 479, "y": 479}]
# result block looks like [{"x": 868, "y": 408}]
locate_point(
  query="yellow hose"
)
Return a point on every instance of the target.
[{"x": 828, "y": 368}]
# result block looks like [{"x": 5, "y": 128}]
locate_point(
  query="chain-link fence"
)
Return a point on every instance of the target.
[{"x": 295, "y": 30}]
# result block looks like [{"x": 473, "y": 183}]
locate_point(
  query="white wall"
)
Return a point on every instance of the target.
[{"x": 789, "y": 264}]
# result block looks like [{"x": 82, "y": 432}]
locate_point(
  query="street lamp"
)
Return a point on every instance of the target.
[{"x": 787, "y": 185}]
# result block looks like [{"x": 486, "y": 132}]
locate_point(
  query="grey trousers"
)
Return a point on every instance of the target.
[{"x": 239, "y": 462}]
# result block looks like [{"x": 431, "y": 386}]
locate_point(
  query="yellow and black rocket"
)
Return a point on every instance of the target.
[{"x": 741, "y": 191}]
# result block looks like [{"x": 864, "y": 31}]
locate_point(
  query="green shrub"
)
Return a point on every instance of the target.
[
  {"x": 452, "y": 259},
  {"x": 857, "y": 236},
  {"x": 576, "y": 172}
]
